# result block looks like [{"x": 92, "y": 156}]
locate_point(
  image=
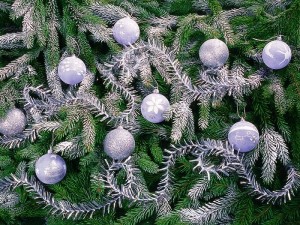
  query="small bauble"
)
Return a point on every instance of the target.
[
  {"x": 71, "y": 70},
  {"x": 119, "y": 144},
  {"x": 154, "y": 106},
  {"x": 126, "y": 31},
  {"x": 13, "y": 123},
  {"x": 50, "y": 168},
  {"x": 243, "y": 136},
  {"x": 214, "y": 53},
  {"x": 276, "y": 54}
]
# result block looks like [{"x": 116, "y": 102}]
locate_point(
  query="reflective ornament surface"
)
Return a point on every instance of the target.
[
  {"x": 154, "y": 106},
  {"x": 276, "y": 54},
  {"x": 243, "y": 136},
  {"x": 126, "y": 31},
  {"x": 50, "y": 168},
  {"x": 71, "y": 70},
  {"x": 213, "y": 53}
]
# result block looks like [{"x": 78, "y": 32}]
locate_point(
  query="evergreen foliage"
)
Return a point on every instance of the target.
[{"x": 178, "y": 174}]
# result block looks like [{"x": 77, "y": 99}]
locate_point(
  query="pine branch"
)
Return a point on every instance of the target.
[
  {"x": 12, "y": 40},
  {"x": 109, "y": 13},
  {"x": 211, "y": 212}
]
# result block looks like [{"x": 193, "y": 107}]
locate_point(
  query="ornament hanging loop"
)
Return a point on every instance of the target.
[
  {"x": 52, "y": 144},
  {"x": 242, "y": 117}
]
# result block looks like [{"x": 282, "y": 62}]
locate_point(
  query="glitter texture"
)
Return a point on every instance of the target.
[
  {"x": 213, "y": 53},
  {"x": 243, "y": 136},
  {"x": 71, "y": 70},
  {"x": 50, "y": 168},
  {"x": 14, "y": 122},
  {"x": 119, "y": 144},
  {"x": 126, "y": 31},
  {"x": 277, "y": 54},
  {"x": 153, "y": 107}
]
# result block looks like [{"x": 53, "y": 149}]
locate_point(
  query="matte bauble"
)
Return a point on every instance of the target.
[
  {"x": 13, "y": 123},
  {"x": 243, "y": 136},
  {"x": 119, "y": 144},
  {"x": 71, "y": 70},
  {"x": 50, "y": 168},
  {"x": 154, "y": 106},
  {"x": 276, "y": 54},
  {"x": 214, "y": 53},
  {"x": 126, "y": 31}
]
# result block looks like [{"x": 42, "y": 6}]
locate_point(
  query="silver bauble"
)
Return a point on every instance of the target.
[
  {"x": 50, "y": 168},
  {"x": 13, "y": 123},
  {"x": 154, "y": 106},
  {"x": 243, "y": 136},
  {"x": 277, "y": 54},
  {"x": 126, "y": 31},
  {"x": 213, "y": 53},
  {"x": 119, "y": 144},
  {"x": 71, "y": 70}
]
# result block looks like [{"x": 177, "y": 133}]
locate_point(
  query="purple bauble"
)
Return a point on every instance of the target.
[
  {"x": 13, "y": 123},
  {"x": 71, "y": 70},
  {"x": 213, "y": 53},
  {"x": 119, "y": 144},
  {"x": 126, "y": 31},
  {"x": 50, "y": 168},
  {"x": 154, "y": 106},
  {"x": 276, "y": 54},
  {"x": 243, "y": 136}
]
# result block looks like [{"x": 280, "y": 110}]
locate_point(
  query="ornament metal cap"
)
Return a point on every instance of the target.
[{"x": 156, "y": 91}]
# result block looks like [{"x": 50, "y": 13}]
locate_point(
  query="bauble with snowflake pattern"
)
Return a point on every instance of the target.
[
  {"x": 50, "y": 168},
  {"x": 277, "y": 54},
  {"x": 126, "y": 31},
  {"x": 13, "y": 123},
  {"x": 71, "y": 70},
  {"x": 213, "y": 53},
  {"x": 153, "y": 107},
  {"x": 119, "y": 143},
  {"x": 243, "y": 136}
]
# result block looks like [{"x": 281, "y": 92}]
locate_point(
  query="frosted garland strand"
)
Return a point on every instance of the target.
[{"x": 136, "y": 192}]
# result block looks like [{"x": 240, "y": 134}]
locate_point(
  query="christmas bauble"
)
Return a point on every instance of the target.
[
  {"x": 71, "y": 70},
  {"x": 126, "y": 31},
  {"x": 213, "y": 53},
  {"x": 154, "y": 106},
  {"x": 243, "y": 136},
  {"x": 277, "y": 54},
  {"x": 13, "y": 123},
  {"x": 119, "y": 144},
  {"x": 50, "y": 168}
]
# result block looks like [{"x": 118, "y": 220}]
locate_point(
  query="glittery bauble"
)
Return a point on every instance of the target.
[
  {"x": 213, "y": 53},
  {"x": 243, "y": 136},
  {"x": 119, "y": 144},
  {"x": 71, "y": 70},
  {"x": 276, "y": 54},
  {"x": 153, "y": 107},
  {"x": 126, "y": 31},
  {"x": 13, "y": 123},
  {"x": 50, "y": 168}
]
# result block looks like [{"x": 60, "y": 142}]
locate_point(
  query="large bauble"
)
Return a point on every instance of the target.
[
  {"x": 71, "y": 70},
  {"x": 119, "y": 144},
  {"x": 126, "y": 31},
  {"x": 50, "y": 168},
  {"x": 276, "y": 54},
  {"x": 213, "y": 53},
  {"x": 13, "y": 123},
  {"x": 154, "y": 106},
  {"x": 243, "y": 136}
]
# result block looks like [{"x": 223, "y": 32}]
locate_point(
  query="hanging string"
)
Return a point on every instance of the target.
[{"x": 238, "y": 112}]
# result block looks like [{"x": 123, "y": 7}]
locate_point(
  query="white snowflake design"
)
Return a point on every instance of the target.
[{"x": 155, "y": 104}]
